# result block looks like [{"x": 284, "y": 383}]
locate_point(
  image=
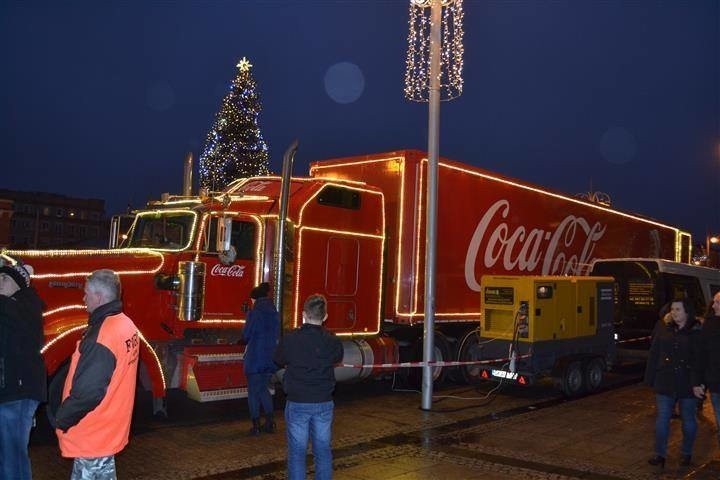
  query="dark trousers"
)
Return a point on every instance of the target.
[{"x": 258, "y": 394}]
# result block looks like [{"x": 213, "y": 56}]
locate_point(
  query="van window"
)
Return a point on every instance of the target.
[{"x": 637, "y": 295}]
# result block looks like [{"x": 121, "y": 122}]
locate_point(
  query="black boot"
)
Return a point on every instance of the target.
[
  {"x": 657, "y": 460},
  {"x": 269, "y": 426},
  {"x": 255, "y": 430},
  {"x": 685, "y": 460}
]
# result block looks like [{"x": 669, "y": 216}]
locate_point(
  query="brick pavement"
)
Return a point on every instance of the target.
[{"x": 603, "y": 436}]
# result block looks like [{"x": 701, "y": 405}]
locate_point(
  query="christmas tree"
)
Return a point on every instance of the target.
[{"x": 235, "y": 147}]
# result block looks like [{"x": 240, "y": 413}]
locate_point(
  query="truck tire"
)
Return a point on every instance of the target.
[
  {"x": 593, "y": 370},
  {"x": 470, "y": 352},
  {"x": 572, "y": 382},
  {"x": 442, "y": 354}
]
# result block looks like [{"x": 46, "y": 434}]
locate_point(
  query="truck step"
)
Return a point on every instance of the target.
[{"x": 214, "y": 373}]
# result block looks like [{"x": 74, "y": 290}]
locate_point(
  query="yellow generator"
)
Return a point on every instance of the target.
[{"x": 546, "y": 325}]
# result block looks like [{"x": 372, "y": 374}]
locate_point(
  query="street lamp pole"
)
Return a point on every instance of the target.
[
  {"x": 433, "y": 73},
  {"x": 431, "y": 212}
]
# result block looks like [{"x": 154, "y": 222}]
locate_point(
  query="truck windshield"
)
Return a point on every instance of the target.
[{"x": 162, "y": 230}]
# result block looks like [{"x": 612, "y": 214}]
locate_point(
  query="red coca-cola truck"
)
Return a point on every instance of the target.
[{"x": 355, "y": 232}]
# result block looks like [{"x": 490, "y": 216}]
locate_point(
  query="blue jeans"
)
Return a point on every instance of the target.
[
  {"x": 16, "y": 419},
  {"x": 688, "y": 410},
  {"x": 258, "y": 394},
  {"x": 313, "y": 420}
]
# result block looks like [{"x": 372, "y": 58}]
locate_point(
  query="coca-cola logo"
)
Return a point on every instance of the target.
[
  {"x": 524, "y": 250},
  {"x": 219, "y": 270},
  {"x": 256, "y": 187}
]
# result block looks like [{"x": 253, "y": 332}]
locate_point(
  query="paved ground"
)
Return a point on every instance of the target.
[{"x": 604, "y": 436}]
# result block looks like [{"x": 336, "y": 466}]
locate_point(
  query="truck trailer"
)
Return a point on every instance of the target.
[{"x": 355, "y": 230}]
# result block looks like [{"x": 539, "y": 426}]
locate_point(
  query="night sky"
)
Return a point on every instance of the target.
[{"x": 104, "y": 99}]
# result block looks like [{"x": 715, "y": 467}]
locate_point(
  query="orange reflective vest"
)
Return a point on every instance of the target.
[{"x": 104, "y": 431}]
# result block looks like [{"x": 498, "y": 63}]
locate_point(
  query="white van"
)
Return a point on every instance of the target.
[{"x": 644, "y": 285}]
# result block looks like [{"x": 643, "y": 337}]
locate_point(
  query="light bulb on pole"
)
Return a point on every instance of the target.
[{"x": 710, "y": 240}]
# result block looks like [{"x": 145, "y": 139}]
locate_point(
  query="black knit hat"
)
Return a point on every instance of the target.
[
  {"x": 261, "y": 291},
  {"x": 19, "y": 273}
]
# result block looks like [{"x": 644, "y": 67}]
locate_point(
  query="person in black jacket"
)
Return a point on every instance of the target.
[
  {"x": 23, "y": 382},
  {"x": 709, "y": 364},
  {"x": 672, "y": 372},
  {"x": 309, "y": 355}
]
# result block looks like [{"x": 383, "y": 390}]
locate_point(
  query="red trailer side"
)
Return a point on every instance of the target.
[{"x": 489, "y": 224}]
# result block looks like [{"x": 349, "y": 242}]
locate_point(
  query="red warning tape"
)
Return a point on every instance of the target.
[
  {"x": 457, "y": 364},
  {"x": 430, "y": 364}
]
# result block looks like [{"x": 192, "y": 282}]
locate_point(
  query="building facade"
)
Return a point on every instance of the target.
[{"x": 39, "y": 220}]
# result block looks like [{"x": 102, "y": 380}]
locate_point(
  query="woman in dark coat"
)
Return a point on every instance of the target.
[
  {"x": 672, "y": 372},
  {"x": 261, "y": 334}
]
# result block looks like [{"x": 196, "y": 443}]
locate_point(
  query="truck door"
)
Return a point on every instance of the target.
[{"x": 228, "y": 280}]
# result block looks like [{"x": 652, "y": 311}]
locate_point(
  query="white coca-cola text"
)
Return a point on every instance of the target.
[
  {"x": 219, "y": 270},
  {"x": 523, "y": 250}
]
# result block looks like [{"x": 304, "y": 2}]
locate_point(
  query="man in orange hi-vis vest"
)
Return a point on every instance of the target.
[{"x": 93, "y": 420}]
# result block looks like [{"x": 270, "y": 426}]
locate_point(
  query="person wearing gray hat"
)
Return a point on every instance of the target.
[{"x": 23, "y": 382}]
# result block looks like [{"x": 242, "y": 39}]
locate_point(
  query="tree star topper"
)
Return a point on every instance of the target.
[{"x": 244, "y": 65}]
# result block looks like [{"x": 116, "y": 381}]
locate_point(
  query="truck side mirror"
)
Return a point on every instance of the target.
[{"x": 224, "y": 231}]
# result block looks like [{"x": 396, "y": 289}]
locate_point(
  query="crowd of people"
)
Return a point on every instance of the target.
[
  {"x": 92, "y": 415},
  {"x": 683, "y": 367}
]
